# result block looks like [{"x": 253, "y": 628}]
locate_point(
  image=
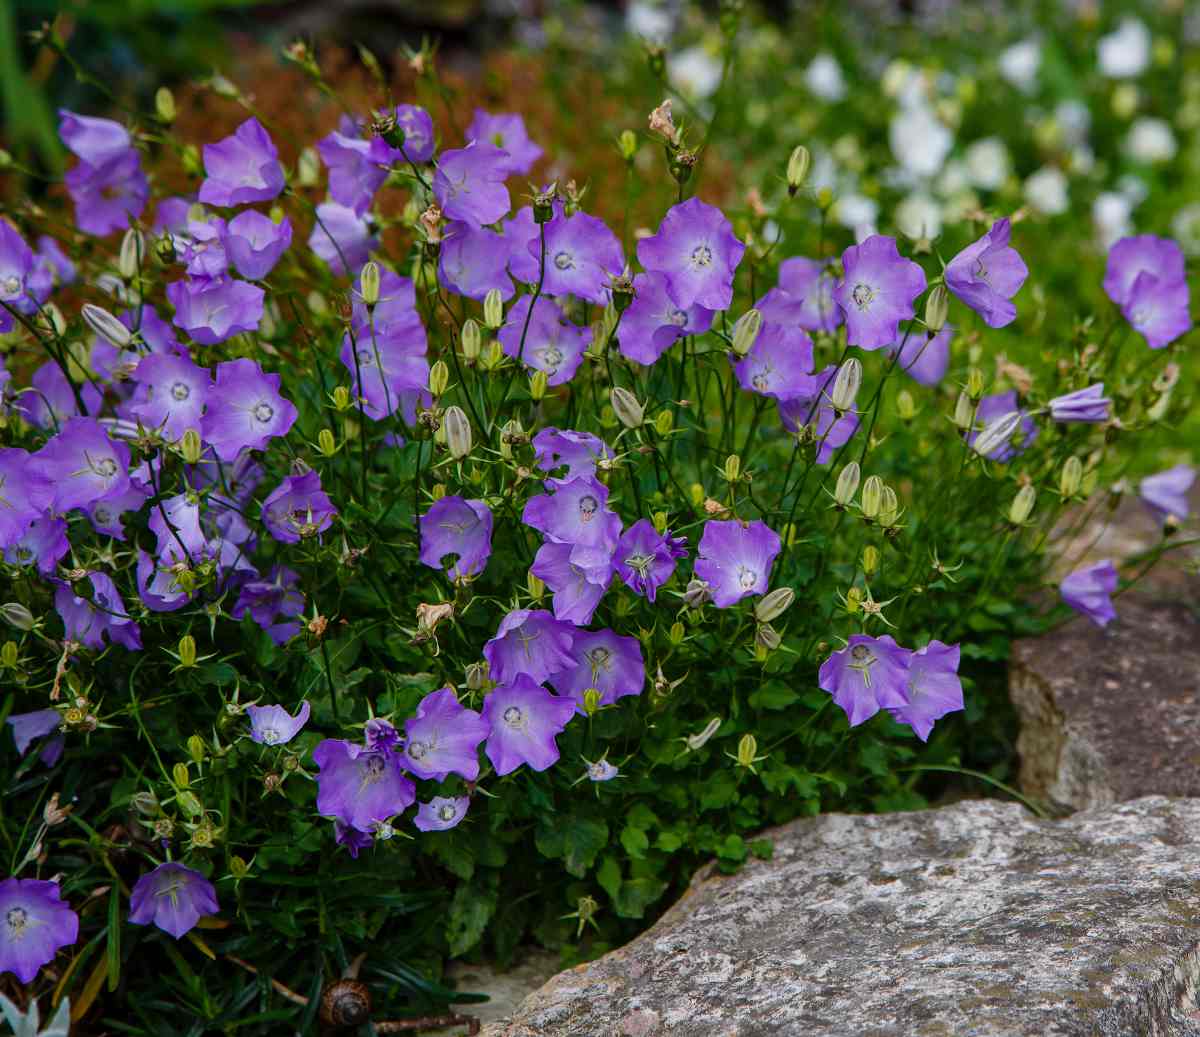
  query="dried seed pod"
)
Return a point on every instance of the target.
[{"x": 345, "y": 1004}]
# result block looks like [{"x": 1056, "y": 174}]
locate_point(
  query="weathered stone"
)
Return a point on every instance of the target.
[
  {"x": 1111, "y": 714},
  {"x": 973, "y": 919},
  {"x": 507, "y": 988}
]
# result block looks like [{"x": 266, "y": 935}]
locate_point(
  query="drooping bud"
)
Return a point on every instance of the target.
[
  {"x": 937, "y": 308},
  {"x": 17, "y": 615},
  {"x": 458, "y": 432},
  {"x": 133, "y": 251},
  {"x": 774, "y": 604},
  {"x": 476, "y": 676},
  {"x": 996, "y": 434},
  {"x": 164, "y": 105},
  {"x": 733, "y": 468},
  {"x": 539, "y": 382},
  {"x": 745, "y": 331},
  {"x": 439, "y": 378},
  {"x": 797, "y": 168},
  {"x": 698, "y": 593},
  {"x": 964, "y": 411},
  {"x": 847, "y": 485},
  {"x": 626, "y": 407},
  {"x": 238, "y": 868},
  {"x": 187, "y": 651},
  {"x": 195, "y": 748},
  {"x": 905, "y": 405},
  {"x": 845, "y": 385},
  {"x": 872, "y": 497},
  {"x": 1022, "y": 505},
  {"x": 472, "y": 340},
  {"x": 368, "y": 284},
  {"x": 326, "y": 443},
  {"x": 493, "y": 309},
  {"x": 870, "y": 559},
  {"x": 179, "y": 774},
  {"x": 766, "y": 638},
  {"x": 308, "y": 168},
  {"x": 106, "y": 326},
  {"x": 1071, "y": 477},
  {"x": 975, "y": 383}
]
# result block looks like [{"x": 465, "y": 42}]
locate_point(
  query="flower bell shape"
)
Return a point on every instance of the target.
[
  {"x": 459, "y": 527},
  {"x": 109, "y": 196},
  {"x": 1089, "y": 591},
  {"x": 579, "y": 451},
  {"x": 933, "y": 690},
  {"x": 274, "y": 725},
  {"x": 43, "y": 544},
  {"x": 172, "y": 897},
  {"x": 212, "y": 310},
  {"x": 16, "y": 269},
  {"x": 298, "y": 508},
  {"x": 418, "y": 144},
  {"x": 91, "y": 139},
  {"x": 245, "y": 409},
  {"x": 696, "y": 249},
  {"x": 869, "y": 674},
  {"x": 991, "y": 409},
  {"x": 34, "y": 924},
  {"x": 575, "y": 513},
  {"x": 578, "y": 583},
  {"x": 735, "y": 559},
  {"x": 550, "y": 343},
  {"x": 443, "y": 738},
  {"x": 987, "y": 274},
  {"x": 171, "y": 393},
  {"x": 242, "y": 168},
  {"x": 358, "y": 786},
  {"x": 83, "y": 464},
  {"x": 342, "y": 238},
  {"x": 924, "y": 359},
  {"x": 645, "y": 559},
  {"x": 89, "y": 625},
  {"x": 507, "y": 132},
  {"x": 877, "y": 292},
  {"x": 779, "y": 364},
  {"x": 1146, "y": 276},
  {"x": 26, "y": 490},
  {"x": 653, "y": 322},
  {"x": 803, "y": 298},
  {"x": 531, "y": 643},
  {"x": 1166, "y": 493},
  {"x": 582, "y": 258},
  {"x": 441, "y": 813},
  {"x": 469, "y": 184},
  {"x": 254, "y": 243},
  {"x": 1088, "y": 405},
  {"x": 473, "y": 261},
  {"x": 606, "y": 661},
  {"x": 524, "y": 719},
  {"x": 354, "y": 176}
]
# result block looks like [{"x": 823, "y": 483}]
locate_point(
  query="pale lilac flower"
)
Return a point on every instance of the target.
[
  {"x": 524, "y": 719},
  {"x": 577, "y": 588},
  {"x": 924, "y": 359},
  {"x": 653, "y": 322},
  {"x": 735, "y": 559},
  {"x": 91, "y": 139},
  {"x": 469, "y": 184},
  {"x": 255, "y": 242},
  {"x": 601, "y": 770},
  {"x": 105, "y": 514},
  {"x": 474, "y": 260},
  {"x": 576, "y": 512},
  {"x": 172, "y": 897},
  {"x": 245, "y": 409},
  {"x": 1166, "y": 493},
  {"x": 83, "y": 464},
  {"x": 507, "y": 132},
  {"x": 52, "y": 268},
  {"x": 25, "y": 492},
  {"x": 579, "y": 451},
  {"x": 85, "y": 623},
  {"x": 455, "y": 526},
  {"x": 108, "y": 196},
  {"x": 267, "y": 600},
  {"x": 803, "y": 297},
  {"x": 387, "y": 368},
  {"x": 418, "y": 144},
  {"x": 645, "y": 558},
  {"x": 53, "y": 401},
  {"x": 354, "y": 175},
  {"x": 158, "y": 585},
  {"x": 342, "y": 238},
  {"x": 35, "y": 924},
  {"x": 869, "y": 674},
  {"x": 171, "y": 394},
  {"x": 441, "y": 813},
  {"x": 697, "y": 250},
  {"x": 582, "y": 258},
  {"x": 27, "y": 728},
  {"x": 1158, "y": 309},
  {"x": 1083, "y": 405},
  {"x": 43, "y": 544},
  {"x": 551, "y": 343},
  {"x": 1089, "y": 591},
  {"x": 933, "y": 688},
  {"x": 297, "y": 508},
  {"x": 202, "y": 248},
  {"x": 1143, "y": 253},
  {"x": 16, "y": 270},
  {"x": 996, "y": 406},
  {"x": 531, "y": 643},
  {"x": 779, "y": 364},
  {"x": 878, "y": 292},
  {"x": 987, "y": 274},
  {"x": 606, "y": 661},
  {"x": 443, "y": 738},
  {"x": 358, "y": 786},
  {"x": 274, "y": 725},
  {"x": 213, "y": 310},
  {"x": 244, "y": 167}
]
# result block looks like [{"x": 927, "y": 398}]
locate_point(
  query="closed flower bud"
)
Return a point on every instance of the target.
[
  {"x": 664, "y": 421},
  {"x": 676, "y": 634},
  {"x": 144, "y": 803},
  {"x": 766, "y": 639},
  {"x": 847, "y": 485},
  {"x": 905, "y": 407},
  {"x": 937, "y": 308},
  {"x": 964, "y": 411},
  {"x": 1088, "y": 485},
  {"x": 326, "y": 443},
  {"x": 368, "y": 284},
  {"x": 341, "y": 398},
  {"x": 845, "y": 385},
  {"x": 438, "y": 491},
  {"x": 308, "y": 168},
  {"x": 733, "y": 468},
  {"x": 458, "y": 432},
  {"x": 106, "y": 326},
  {"x": 439, "y": 378},
  {"x": 493, "y": 309},
  {"x": 889, "y": 508},
  {"x": 492, "y": 357},
  {"x": 854, "y": 597},
  {"x": 8, "y": 655},
  {"x": 697, "y": 593},
  {"x": 17, "y": 615},
  {"x": 187, "y": 651},
  {"x": 626, "y": 407},
  {"x": 745, "y": 331},
  {"x": 164, "y": 105},
  {"x": 797, "y": 168},
  {"x": 872, "y": 497},
  {"x": 190, "y": 804},
  {"x": 774, "y": 604},
  {"x": 179, "y": 774},
  {"x": 659, "y": 518},
  {"x": 1022, "y": 505},
  {"x": 996, "y": 434},
  {"x": 223, "y": 87},
  {"x": 189, "y": 158},
  {"x": 133, "y": 251},
  {"x": 747, "y": 750},
  {"x": 238, "y": 868},
  {"x": 472, "y": 339},
  {"x": 870, "y": 559},
  {"x": 627, "y": 144},
  {"x": 975, "y": 384},
  {"x": 476, "y": 676},
  {"x": 539, "y": 382},
  {"x": 164, "y": 250},
  {"x": 535, "y": 586},
  {"x": 195, "y": 748},
  {"x": 52, "y": 320},
  {"x": 1071, "y": 477},
  {"x": 591, "y": 700}
]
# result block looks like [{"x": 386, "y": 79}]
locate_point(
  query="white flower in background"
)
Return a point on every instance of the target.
[
  {"x": 1019, "y": 65},
  {"x": 919, "y": 141},
  {"x": 1110, "y": 214},
  {"x": 695, "y": 71},
  {"x": 1046, "y": 191},
  {"x": 953, "y": 179},
  {"x": 988, "y": 165},
  {"x": 1134, "y": 189},
  {"x": 919, "y": 216},
  {"x": 896, "y": 76},
  {"x": 1186, "y": 228},
  {"x": 823, "y": 172},
  {"x": 824, "y": 78},
  {"x": 858, "y": 212},
  {"x": 1083, "y": 160},
  {"x": 1074, "y": 118},
  {"x": 1125, "y": 53},
  {"x": 650, "y": 20},
  {"x": 1150, "y": 140}
]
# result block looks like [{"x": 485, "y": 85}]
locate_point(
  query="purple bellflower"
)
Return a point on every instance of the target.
[
  {"x": 351, "y": 838},
  {"x": 996, "y": 406},
  {"x": 268, "y": 600},
  {"x": 1089, "y": 591},
  {"x": 388, "y": 370},
  {"x": 254, "y": 243},
  {"x": 24, "y": 493},
  {"x": 34, "y": 924},
  {"x": 653, "y": 322},
  {"x": 551, "y": 343},
  {"x": 1084, "y": 405},
  {"x": 16, "y": 269},
  {"x": 460, "y": 527},
  {"x": 354, "y": 175},
  {"x": 507, "y": 132},
  {"x": 779, "y": 364},
  {"x": 245, "y": 409},
  {"x": 579, "y": 451},
  {"x": 110, "y": 195},
  {"x": 91, "y": 139},
  {"x": 358, "y": 786},
  {"x": 924, "y": 359},
  {"x": 83, "y": 464},
  {"x": 645, "y": 559},
  {"x": 474, "y": 260},
  {"x": 1145, "y": 275},
  {"x": 298, "y": 508},
  {"x": 606, "y": 661},
  {"x": 441, "y": 813},
  {"x": 469, "y": 184},
  {"x": 274, "y": 725},
  {"x": 43, "y": 544},
  {"x": 987, "y": 274},
  {"x": 576, "y": 513},
  {"x": 735, "y": 559},
  {"x": 105, "y": 514},
  {"x": 697, "y": 250},
  {"x": 244, "y": 167},
  {"x": 443, "y": 738},
  {"x": 342, "y": 238},
  {"x": 878, "y": 292},
  {"x": 577, "y": 588},
  {"x": 529, "y": 643},
  {"x": 418, "y": 145},
  {"x": 1166, "y": 493},
  {"x": 171, "y": 394},
  {"x": 213, "y": 310},
  {"x": 582, "y": 257},
  {"x": 54, "y": 401},
  {"x": 40, "y": 724},
  {"x": 803, "y": 297},
  {"x": 933, "y": 689},
  {"x": 172, "y": 897},
  {"x": 524, "y": 719},
  {"x": 87, "y": 624},
  {"x": 869, "y": 674}
]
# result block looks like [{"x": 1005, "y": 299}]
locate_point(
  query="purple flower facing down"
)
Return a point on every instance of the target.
[
  {"x": 577, "y": 588},
  {"x": 869, "y": 674},
  {"x": 1158, "y": 309},
  {"x": 245, "y": 409},
  {"x": 211, "y": 311},
  {"x": 171, "y": 394},
  {"x": 43, "y": 544},
  {"x": 24, "y": 493},
  {"x": 460, "y": 527},
  {"x": 360, "y": 787},
  {"x": 576, "y": 513},
  {"x": 1145, "y": 253},
  {"x": 244, "y": 167},
  {"x": 606, "y": 661},
  {"x": 878, "y": 292},
  {"x": 779, "y": 364},
  {"x": 418, "y": 144},
  {"x": 1089, "y": 591},
  {"x": 735, "y": 560},
  {"x": 351, "y": 838},
  {"x": 342, "y": 238},
  {"x": 987, "y": 274},
  {"x": 91, "y": 139},
  {"x": 443, "y": 738},
  {"x": 388, "y": 370},
  {"x": 579, "y": 451},
  {"x": 803, "y": 297},
  {"x": 507, "y": 132},
  {"x": 158, "y": 586},
  {"x": 52, "y": 268},
  {"x": 933, "y": 688},
  {"x": 1084, "y": 405},
  {"x": 268, "y": 600},
  {"x": 524, "y": 719},
  {"x": 88, "y": 624},
  {"x": 653, "y": 322},
  {"x": 274, "y": 725},
  {"x": 354, "y": 176},
  {"x": 53, "y": 400},
  {"x": 175, "y": 521},
  {"x": 996, "y": 406},
  {"x": 108, "y": 196},
  {"x": 298, "y": 508},
  {"x": 469, "y": 184},
  {"x": 105, "y": 514},
  {"x": 172, "y": 897},
  {"x": 582, "y": 257},
  {"x": 696, "y": 249},
  {"x": 202, "y": 248},
  {"x": 441, "y": 813},
  {"x": 924, "y": 359},
  {"x": 34, "y": 924},
  {"x": 255, "y": 242},
  {"x": 551, "y": 343},
  {"x": 473, "y": 261},
  {"x": 529, "y": 643},
  {"x": 29, "y": 727},
  {"x": 83, "y": 464},
  {"x": 1166, "y": 493},
  {"x": 645, "y": 559}
]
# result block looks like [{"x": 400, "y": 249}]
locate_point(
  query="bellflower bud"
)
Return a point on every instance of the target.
[
  {"x": 439, "y": 378},
  {"x": 195, "y": 748},
  {"x": 697, "y": 593},
  {"x": 870, "y": 559},
  {"x": 492, "y": 357},
  {"x": 591, "y": 701},
  {"x": 535, "y": 586},
  {"x": 664, "y": 422},
  {"x": 745, "y": 331},
  {"x": 797, "y": 168},
  {"x": 179, "y": 775},
  {"x": 341, "y": 398},
  {"x": 996, "y": 433},
  {"x": 733, "y": 468},
  {"x": 872, "y": 497},
  {"x": 975, "y": 383},
  {"x": 747, "y": 750},
  {"x": 190, "y": 804},
  {"x": 1022, "y": 505},
  {"x": 191, "y": 446},
  {"x": 476, "y": 676},
  {"x": 493, "y": 309},
  {"x": 458, "y": 432},
  {"x": 8, "y": 655},
  {"x": 133, "y": 251},
  {"x": 937, "y": 308},
  {"x": 889, "y": 509},
  {"x": 17, "y": 615},
  {"x": 308, "y": 168},
  {"x": 963, "y": 411},
  {"x": 326, "y": 443},
  {"x": 774, "y": 604},
  {"x": 238, "y": 868},
  {"x": 106, "y": 326},
  {"x": 627, "y": 144},
  {"x": 626, "y": 407},
  {"x": 472, "y": 339},
  {"x": 845, "y": 385},
  {"x": 847, "y": 485},
  {"x": 905, "y": 406},
  {"x": 1071, "y": 477},
  {"x": 164, "y": 105},
  {"x": 187, "y": 651},
  {"x": 766, "y": 637},
  {"x": 676, "y": 634},
  {"x": 539, "y": 382},
  {"x": 368, "y": 284}
]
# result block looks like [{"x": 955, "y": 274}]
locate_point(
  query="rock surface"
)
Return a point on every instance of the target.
[
  {"x": 1111, "y": 714},
  {"x": 973, "y": 920}
]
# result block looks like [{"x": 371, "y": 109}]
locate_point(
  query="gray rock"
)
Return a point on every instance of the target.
[
  {"x": 973, "y": 920},
  {"x": 507, "y": 988},
  {"x": 1111, "y": 714}
]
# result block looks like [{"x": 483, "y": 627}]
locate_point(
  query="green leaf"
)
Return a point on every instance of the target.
[
  {"x": 635, "y": 841},
  {"x": 719, "y": 791},
  {"x": 470, "y": 911},
  {"x": 638, "y": 894},
  {"x": 763, "y": 849},
  {"x": 733, "y": 848},
  {"x": 113, "y": 950},
  {"x": 217, "y": 674},
  {"x": 773, "y": 695},
  {"x": 576, "y": 839},
  {"x": 668, "y": 842},
  {"x": 609, "y": 877}
]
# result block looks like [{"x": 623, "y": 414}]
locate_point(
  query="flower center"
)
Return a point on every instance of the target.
[
  {"x": 746, "y": 577},
  {"x": 270, "y": 736},
  {"x": 263, "y": 412},
  {"x": 599, "y": 659},
  {"x": 863, "y": 294},
  {"x": 702, "y": 256},
  {"x": 17, "y": 921},
  {"x": 373, "y": 768},
  {"x": 640, "y": 563},
  {"x": 418, "y": 750},
  {"x": 105, "y": 467},
  {"x": 12, "y": 286},
  {"x": 761, "y": 379},
  {"x": 514, "y": 717},
  {"x": 564, "y": 260},
  {"x": 587, "y": 508},
  {"x": 678, "y": 317},
  {"x": 101, "y": 514},
  {"x": 551, "y": 357},
  {"x": 446, "y": 812},
  {"x": 181, "y": 391}
]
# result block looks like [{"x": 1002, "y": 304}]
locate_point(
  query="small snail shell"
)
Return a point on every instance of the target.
[{"x": 345, "y": 1003}]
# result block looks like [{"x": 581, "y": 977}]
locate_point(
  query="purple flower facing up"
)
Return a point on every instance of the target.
[
  {"x": 803, "y": 297},
  {"x": 1084, "y": 405},
  {"x": 43, "y": 544},
  {"x": 924, "y": 359},
  {"x": 878, "y": 292},
  {"x": 441, "y": 813},
  {"x": 529, "y": 643},
  {"x": 735, "y": 559},
  {"x": 213, "y": 310},
  {"x": 507, "y": 132},
  {"x": 268, "y": 600},
  {"x": 869, "y": 674},
  {"x": 1158, "y": 309},
  {"x": 24, "y": 494},
  {"x": 83, "y": 464},
  {"x": 29, "y": 727},
  {"x": 354, "y": 176},
  {"x": 244, "y": 167},
  {"x": 645, "y": 559},
  {"x": 697, "y": 250},
  {"x": 92, "y": 140},
  {"x": 474, "y": 260},
  {"x": 1166, "y": 493},
  {"x": 987, "y": 274},
  {"x": 342, "y": 238},
  {"x": 455, "y": 526},
  {"x": 298, "y": 508},
  {"x": 255, "y": 242},
  {"x": 418, "y": 143},
  {"x": 443, "y": 738},
  {"x": 16, "y": 268},
  {"x": 601, "y": 770},
  {"x": 933, "y": 688},
  {"x": 524, "y": 719},
  {"x": 34, "y": 924},
  {"x": 53, "y": 400},
  {"x": 1144, "y": 253},
  {"x": 171, "y": 394},
  {"x": 89, "y": 625},
  {"x": 360, "y": 787},
  {"x": 469, "y": 184},
  {"x": 551, "y": 343},
  {"x": 274, "y": 725},
  {"x": 779, "y": 364},
  {"x": 388, "y": 370},
  {"x": 606, "y": 661},
  {"x": 576, "y": 513},
  {"x": 108, "y": 196},
  {"x": 1089, "y": 591},
  {"x": 245, "y": 409},
  {"x": 172, "y": 897},
  {"x": 996, "y": 406},
  {"x": 579, "y": 451},
  {"x": 582, "y": 258},
  {"x": 653, "y": 322},
  {"x": 577, "y": 587}
]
